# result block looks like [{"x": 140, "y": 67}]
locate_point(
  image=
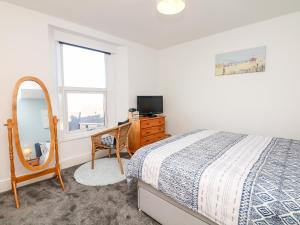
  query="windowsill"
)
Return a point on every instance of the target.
[{"x": 81, "y": 135}]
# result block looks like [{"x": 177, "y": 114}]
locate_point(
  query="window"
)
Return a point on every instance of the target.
[{"x": 83, "y": 88}]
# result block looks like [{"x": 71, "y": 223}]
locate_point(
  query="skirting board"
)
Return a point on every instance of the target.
[
  {"x": 165, "y": 210},
  {"x": 69, "y": 162}
]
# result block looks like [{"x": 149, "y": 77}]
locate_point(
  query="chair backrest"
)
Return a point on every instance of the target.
[{"x": 123, "y": 135}]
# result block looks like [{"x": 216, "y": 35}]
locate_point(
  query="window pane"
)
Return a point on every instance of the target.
[
  {"x": 83, "y": 67},
  {"x": 85, "y": 110}
]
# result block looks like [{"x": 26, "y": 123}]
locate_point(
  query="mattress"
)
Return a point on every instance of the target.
[{"x": 229, "y": 178}]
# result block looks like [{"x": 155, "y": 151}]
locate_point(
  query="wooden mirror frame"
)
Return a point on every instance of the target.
[
  {"x": 13, "y": 134},
  {"x": 16, "y": 128}
]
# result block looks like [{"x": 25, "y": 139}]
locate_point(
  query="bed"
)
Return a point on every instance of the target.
[
  {"x": 42, "y": 151},
  {"x": 214, "y": 177}
]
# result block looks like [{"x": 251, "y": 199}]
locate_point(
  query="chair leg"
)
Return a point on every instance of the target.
[
  {"x": 129, "y": 152},
  {"x": 119, "y": 160},
  {"x": 93, "y": 157},
  {"x": 109, "y": 153}
]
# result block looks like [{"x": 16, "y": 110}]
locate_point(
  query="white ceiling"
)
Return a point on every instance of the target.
[{"x": 138, "y": 20}]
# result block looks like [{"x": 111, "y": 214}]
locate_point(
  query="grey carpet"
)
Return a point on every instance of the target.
[{"x": 45, "y": 203}]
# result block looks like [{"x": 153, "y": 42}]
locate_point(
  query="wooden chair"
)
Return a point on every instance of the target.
[{"x": 120, "y": 133}]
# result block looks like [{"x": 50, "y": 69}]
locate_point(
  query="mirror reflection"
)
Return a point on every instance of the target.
[{"x": 33, "y": 123}]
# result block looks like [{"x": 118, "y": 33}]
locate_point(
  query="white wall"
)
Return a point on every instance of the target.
[
  {"x": 143, "y": 70},
  {"x": 260, "y": 103},
  {"x": 26, "y": 49}
]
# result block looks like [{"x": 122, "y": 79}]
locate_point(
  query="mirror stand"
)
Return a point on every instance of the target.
[{"x": 14, "y": 179}]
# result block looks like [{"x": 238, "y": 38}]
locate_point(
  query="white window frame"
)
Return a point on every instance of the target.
[{"x": 81, "y": 133}]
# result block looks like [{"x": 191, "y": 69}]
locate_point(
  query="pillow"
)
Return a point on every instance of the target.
[
  {"x": 44, "y": 148},
  {"x": 108, "y": 141}
]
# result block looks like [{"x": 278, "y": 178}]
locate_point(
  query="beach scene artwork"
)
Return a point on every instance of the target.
[{"x": 244, "y": 61}]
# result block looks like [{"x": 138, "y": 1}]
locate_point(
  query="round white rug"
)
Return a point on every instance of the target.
[{"x": 107, "y": 171}]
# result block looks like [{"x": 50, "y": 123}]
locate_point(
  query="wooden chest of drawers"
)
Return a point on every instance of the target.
[{"x": 146, "y": 130}]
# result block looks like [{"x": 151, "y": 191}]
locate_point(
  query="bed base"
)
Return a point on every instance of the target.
[{"x": 165, "y": 210}]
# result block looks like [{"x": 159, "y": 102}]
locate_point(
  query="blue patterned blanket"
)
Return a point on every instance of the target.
[{"x": 229, "y": 178}]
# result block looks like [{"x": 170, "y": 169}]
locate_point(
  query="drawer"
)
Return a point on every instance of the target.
[
  {"x": 152, "y": 130},
  {"x": 152, "y": 138},
  {"x": 152, "y": 122}
]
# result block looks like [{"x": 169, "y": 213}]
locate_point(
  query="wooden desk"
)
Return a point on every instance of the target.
[{"x": 34, "y": 162}]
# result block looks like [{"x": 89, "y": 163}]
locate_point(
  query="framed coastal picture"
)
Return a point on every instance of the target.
[{"x": 251, "y": 60}]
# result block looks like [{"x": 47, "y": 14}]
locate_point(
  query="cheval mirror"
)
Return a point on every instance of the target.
[{"x": 33, "y": 129}]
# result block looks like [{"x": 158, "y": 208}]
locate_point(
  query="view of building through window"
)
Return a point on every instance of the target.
[
  {"x": 84, "y": 76},
  {"x": 85, "y": 110}
]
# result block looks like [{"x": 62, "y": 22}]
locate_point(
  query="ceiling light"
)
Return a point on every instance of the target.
[{"x": 170, "y": 7}]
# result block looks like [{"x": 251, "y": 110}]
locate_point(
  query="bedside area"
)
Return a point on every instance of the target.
[{"x": 146, "y": 130}]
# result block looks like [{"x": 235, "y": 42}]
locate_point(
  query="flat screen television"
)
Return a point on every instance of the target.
[{"x": 150, "y": 105}]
